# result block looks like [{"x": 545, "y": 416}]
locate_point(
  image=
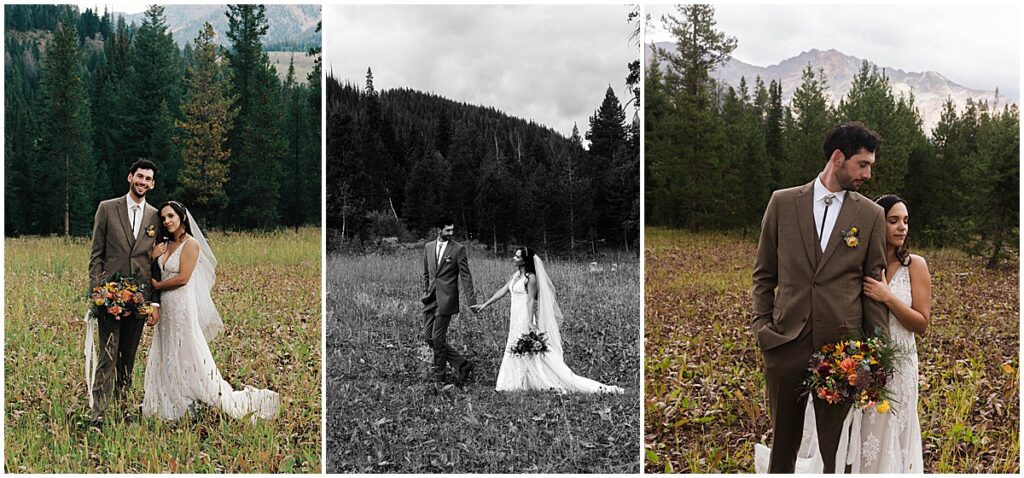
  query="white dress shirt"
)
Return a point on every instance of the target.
[
  {"x": 820, "y": 192},
  {"x": 440, "y": 250},
  {"x": 139, "y": 213}
]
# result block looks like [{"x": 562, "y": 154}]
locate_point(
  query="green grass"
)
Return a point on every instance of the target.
[
  {"x": 705, "y": 405},
  {"x": 268, "y": 293},
  {"x": 384, "y": 414}
]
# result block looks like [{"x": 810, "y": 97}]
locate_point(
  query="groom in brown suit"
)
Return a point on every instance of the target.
[
  {"x": 444, "y": 263},
  {"x": 818, "y": 242},
  {"x": 122, "y": 238}
]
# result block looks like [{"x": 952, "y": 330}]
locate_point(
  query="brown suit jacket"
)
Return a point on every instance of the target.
[
  {"x": 441, "y": 278},
  {"x": 114, "y": 250},
  {"x": 825, "y": 288}
]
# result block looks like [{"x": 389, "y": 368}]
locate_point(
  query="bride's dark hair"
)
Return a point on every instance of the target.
[
  {"x": 887, "y": 202},
  {"x": 162, "y": 234},
  {"x": 527, "y": 254}
]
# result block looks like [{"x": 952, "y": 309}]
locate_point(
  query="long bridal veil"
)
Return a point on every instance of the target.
[
  {"x": 204, "y": 275},
  {"x": 549, "y": 315}
]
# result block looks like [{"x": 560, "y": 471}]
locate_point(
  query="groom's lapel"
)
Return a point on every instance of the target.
[
  {"x": 851, "y": 206},
  {"x": 147, "y": 219},
  {"x": 805, "y": 218},
  {"x": 126, "y": 227},
  {"x": 444, "y": 255},
  {"x": 432, "y": 255}
]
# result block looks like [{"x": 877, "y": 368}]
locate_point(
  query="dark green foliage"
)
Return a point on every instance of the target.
[
  {"x": 70, "y": 179},
  {"x": 714, "y": 153},
  {"x": 505, "y": 181},
  {"x": 115, "y": 98}
]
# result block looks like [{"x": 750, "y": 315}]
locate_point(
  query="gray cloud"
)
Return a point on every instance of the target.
[
  {"x": 550, "y": 64},
  {"x": 977, "y": 46}
]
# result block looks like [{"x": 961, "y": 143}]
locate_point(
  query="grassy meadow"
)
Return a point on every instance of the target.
[
  {"x": 385, "y": 415},
  {"x": 268, "y": 293},
  {"x": 705, "y": 405},
  {"x": 303, "y": 64}
]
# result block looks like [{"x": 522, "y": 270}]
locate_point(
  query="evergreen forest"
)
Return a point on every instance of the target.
[
  {"x": 399, "y": 159},
  {"x": 87, "y": 94},
  {"x": 713, "y": 153}
]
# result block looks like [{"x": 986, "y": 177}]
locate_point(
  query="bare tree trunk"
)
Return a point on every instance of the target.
[
  {"x": 67, "y": 195},
  {"x": 390, "y": 203}
]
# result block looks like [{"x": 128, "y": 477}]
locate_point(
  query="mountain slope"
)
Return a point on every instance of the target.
[
  {"x": 292, "y": 27},
  {"x": 930, "y": 88}
]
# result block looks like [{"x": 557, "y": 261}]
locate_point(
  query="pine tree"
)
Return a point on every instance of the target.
[
  {"x": 607, "y": 136},
  {"x": 66, "y": 136},
  {"x": 256, "y": 142},
  {"x": 812, "y": 120},
  {"x": 690, "y": 155},
  {"x": 156, "y": 81},
  {"x": 202, "y": 134}
]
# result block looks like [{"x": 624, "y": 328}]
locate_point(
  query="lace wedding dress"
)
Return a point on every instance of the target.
[
  {"x": 886, "y": 443},
  {"x": 180, "y": 369},
  {"x": 545, "y": 371}
]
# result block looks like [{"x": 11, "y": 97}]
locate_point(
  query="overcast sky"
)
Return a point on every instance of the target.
[
  {"x": 977, "y": 46},
  {"x": 121, "y": 7},
  {"x": 551, "y": 64}
]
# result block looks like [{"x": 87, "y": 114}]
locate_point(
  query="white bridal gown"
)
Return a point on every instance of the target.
[
  {"x": 890, "y": 442},
  {"x": 180, "y": 369},
  {"x": 545, "y": 371}
]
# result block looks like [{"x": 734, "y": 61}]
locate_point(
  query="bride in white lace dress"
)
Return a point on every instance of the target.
[
  {"x": 889, "y": 442},
  {"x": 180, "y": 370},
  {"x": 534, "y": 307}
]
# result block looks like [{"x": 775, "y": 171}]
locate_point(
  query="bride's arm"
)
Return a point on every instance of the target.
[
  {"x": 189, "y": 257},
  {"x": 912, "y": 317},
  {"x": 498, "y": 294},
  {"x": 531, "y": 298}
]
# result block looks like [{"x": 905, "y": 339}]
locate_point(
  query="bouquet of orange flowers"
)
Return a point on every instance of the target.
[
  {"x": 121, "y": 296},
  {"x": 853, "y": 371}
]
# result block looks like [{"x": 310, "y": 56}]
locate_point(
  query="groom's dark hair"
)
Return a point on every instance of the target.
[
  {"x": 142, "y": 163},
  {"x": 443, "y": 221},
  {"x": 850, "y": 138}
]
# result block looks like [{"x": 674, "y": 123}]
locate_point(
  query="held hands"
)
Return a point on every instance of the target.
[
  {"x": 154, "y": 317},
  {"x": 154, "y": 284},
  {"x": 476, "y": 308}
]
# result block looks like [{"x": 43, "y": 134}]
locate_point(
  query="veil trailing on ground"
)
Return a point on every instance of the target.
[
  {"x": 549, "y": 315},
  {"x": 203, "y": 276}
]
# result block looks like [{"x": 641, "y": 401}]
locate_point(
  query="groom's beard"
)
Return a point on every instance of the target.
[
  {"x": 849, "y": 184},
  {"x": 135, "y": 191}
]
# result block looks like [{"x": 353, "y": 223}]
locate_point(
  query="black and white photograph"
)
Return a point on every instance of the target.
[{"x": 483, "y": 230}]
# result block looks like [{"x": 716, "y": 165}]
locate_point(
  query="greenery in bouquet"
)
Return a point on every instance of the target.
[{"x": 854, "y": 371}]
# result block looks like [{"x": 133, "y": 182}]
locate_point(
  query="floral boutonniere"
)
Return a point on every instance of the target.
[
  {"x": 151, "y": 231},
  {"x": 447, "y": 260},
  {"x": 850, "y": 237}
]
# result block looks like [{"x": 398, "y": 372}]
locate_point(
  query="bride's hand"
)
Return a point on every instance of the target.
[
  {"x": 153, "y": 317},
  {"x": 877, "y": 291},
  {"x": 159, "y": 249},
  {"x": 154, "y": 284},
  {"x": 476, "y": 308}
]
